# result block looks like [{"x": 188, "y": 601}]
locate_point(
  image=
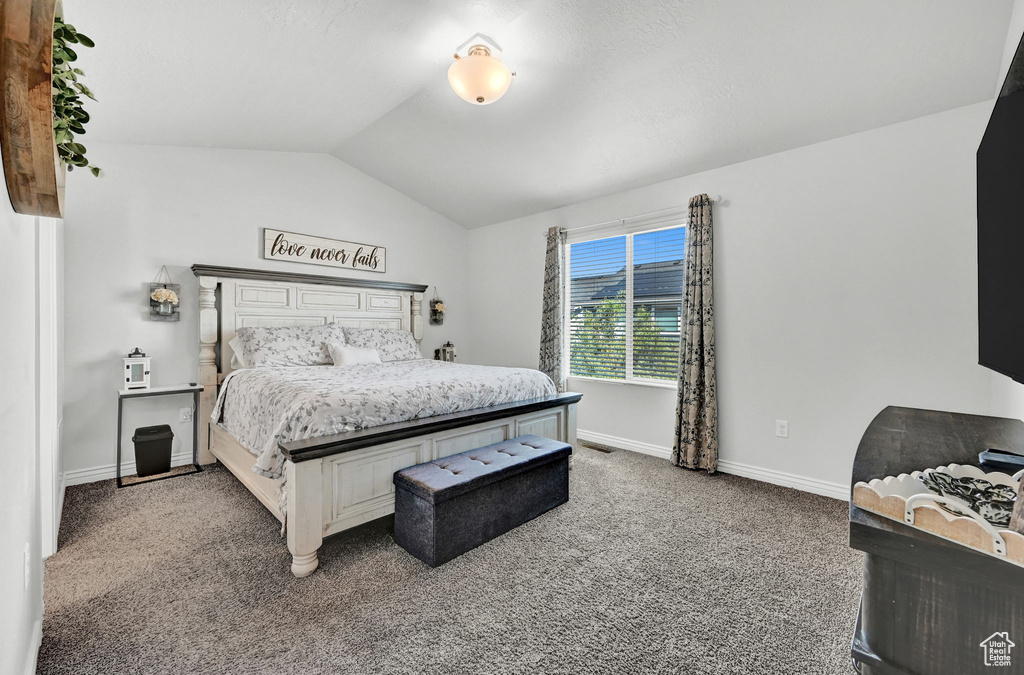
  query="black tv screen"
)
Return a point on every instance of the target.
[{"x": 1001, "y": 230}]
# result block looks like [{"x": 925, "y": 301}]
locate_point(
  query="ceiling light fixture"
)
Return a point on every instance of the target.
[{"x": 479, "y": 77}]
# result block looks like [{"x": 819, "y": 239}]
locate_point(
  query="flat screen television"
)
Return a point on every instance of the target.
[{"x": 1001, "y": 230}]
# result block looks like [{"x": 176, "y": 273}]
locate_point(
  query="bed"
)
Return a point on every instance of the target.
[{"x": 317, "y": 446}]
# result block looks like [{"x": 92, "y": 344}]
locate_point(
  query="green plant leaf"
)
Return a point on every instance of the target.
[
  {"x": 84, "y": 89},
  {"x": 69, "y": 116}
]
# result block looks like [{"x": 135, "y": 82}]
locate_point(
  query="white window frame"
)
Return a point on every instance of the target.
[{"x": 670, "y": 224}]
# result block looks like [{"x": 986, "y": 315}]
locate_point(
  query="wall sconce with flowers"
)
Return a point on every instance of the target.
[
  {"x": 163, "y": 298},
  {"x": 436, "y": 310}
]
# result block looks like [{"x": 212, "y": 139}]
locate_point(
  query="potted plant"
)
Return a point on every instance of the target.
[
  {"x": 69, "y": 115},
  {"x": 44, "y": 112}
]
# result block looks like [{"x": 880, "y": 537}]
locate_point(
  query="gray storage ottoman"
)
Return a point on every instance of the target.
[{"x": 453, "y": 504}]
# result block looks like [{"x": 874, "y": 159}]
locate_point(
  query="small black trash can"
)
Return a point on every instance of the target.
[{"x": 153, "y": 449}]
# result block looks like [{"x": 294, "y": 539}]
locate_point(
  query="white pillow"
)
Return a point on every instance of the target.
[
  {"x": 391, "y": 344},
  {"x": 237, "y": 360},
  {"x": 344, "y": 355}
]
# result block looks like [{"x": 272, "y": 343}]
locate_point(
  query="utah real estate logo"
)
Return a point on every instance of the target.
[{"x": 997, "y": 649}]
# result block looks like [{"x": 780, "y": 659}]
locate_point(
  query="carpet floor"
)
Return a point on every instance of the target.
[{"x": 647, "y": 569}]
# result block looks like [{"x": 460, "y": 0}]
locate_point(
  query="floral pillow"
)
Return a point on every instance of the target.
[
  {"x": 392, "y": 345},
  {"x": 289, "y": 345}
]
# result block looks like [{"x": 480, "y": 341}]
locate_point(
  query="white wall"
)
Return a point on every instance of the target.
[
  {"x": 845, "y": 281},
  {"x": 21, "y": 613},
  {"x": 178, "y": 206}
]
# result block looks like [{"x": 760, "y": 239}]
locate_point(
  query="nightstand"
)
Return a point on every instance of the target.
[{"x": 190, "y": 388}]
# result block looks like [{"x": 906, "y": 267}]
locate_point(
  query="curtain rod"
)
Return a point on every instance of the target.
[{"x": 715, "y": 199}]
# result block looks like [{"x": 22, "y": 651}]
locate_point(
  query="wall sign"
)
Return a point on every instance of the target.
[{"x": 278, "y": 245}]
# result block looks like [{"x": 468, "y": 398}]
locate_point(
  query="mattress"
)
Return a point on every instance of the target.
[{"x": 262, "y": 407}]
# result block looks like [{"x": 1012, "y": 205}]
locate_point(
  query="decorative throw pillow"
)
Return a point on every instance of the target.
[
  {"x": 392, "y": 345},
  {"x": 289, "y": 345},
  {"x": 347, "y": 355}
]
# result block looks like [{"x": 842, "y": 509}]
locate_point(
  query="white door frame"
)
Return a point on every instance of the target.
[{"x": 49, "y": 407}]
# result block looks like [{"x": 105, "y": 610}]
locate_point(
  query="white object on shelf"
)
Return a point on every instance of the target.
[
  {"x": 136, "y": 372},
  {"x": 905, "y": 498},
  {"x": 998, "y": 545},
  {"x": 968, "y": 471}
]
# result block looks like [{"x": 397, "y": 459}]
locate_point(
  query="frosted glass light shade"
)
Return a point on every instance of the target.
[{"x": 479, "y": 78}]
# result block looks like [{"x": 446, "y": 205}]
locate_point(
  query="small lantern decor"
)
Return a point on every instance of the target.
[
  {"x": 436, "y": 310},
  {"x": 163, "y": 298},
  {"x": 445, "y": 353},
  {"x": 136, "y": 370}
]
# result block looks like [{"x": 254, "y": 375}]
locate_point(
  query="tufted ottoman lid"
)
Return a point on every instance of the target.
[{"x": 451, "y": 476}]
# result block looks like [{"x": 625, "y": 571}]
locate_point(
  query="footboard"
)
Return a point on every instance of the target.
[{"x": 337, "y": 482}]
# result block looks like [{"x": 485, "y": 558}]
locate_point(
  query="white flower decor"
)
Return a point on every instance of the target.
[
  {"x": 438, "y": 307},
  {"x": 164, "y": 295}
]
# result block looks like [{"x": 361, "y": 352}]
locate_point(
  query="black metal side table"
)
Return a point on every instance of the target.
[{"x": 190, "y": 388}]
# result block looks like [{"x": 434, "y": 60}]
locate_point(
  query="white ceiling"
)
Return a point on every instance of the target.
[{"x": 609, "y": 94}]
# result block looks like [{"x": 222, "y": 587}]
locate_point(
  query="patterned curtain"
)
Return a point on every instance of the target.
[
  {"x": 552, "y": 358},
  {"x": 696, "y": 437}
]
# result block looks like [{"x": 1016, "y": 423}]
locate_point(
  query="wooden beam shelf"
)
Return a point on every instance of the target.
[{"x": 32, "y": 168}]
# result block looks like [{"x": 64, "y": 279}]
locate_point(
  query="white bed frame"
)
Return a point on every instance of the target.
[{"x": 338, "y": 482}]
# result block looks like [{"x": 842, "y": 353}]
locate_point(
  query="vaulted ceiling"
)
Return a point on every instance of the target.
[{"x": 609, "y": 95}]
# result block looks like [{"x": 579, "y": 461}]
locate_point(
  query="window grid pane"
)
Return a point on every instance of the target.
[
  {"x": 597, "y": 309},
  {"x": 598, "y": 321},
  {"x": 658, "y": 264}
]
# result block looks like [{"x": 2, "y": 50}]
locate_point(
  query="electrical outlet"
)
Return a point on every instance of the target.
[
  {"x": 28, "y": 568},
  {"x": 782, "y": 428},
  {"x": 185, "y": 415}
]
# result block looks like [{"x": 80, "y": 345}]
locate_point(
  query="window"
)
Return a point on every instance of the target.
[{"x": 625, "y": 304}]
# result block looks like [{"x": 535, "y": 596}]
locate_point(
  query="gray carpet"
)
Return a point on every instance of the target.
[{"x": 648, "y": 569}]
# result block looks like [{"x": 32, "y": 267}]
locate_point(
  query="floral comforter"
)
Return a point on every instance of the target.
[{"x": 262, "y": 407}]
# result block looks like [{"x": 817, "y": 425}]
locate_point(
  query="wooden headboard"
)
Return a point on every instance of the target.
[{"x": 231, "y": 297}]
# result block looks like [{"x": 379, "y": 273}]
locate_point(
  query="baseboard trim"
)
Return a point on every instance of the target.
[
  {"x": 819, "y": 487},
  {"x": 625, "y": 444},
  {"x": 59, "y": 506},
  {"x": 60, "y": 500},
  {"x": 790, "y": 480},
  {"x": 108, "y": 471},
  {"x": 34, "y": 645}
]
